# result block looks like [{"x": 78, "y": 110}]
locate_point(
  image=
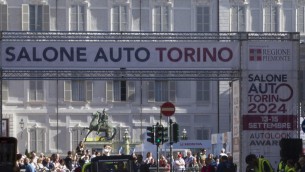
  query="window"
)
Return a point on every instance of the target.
[
  {"x": 77, "y": 136},
  {"x": 161, "y": 90},
  {"x": 77, "y": 18},
  {"x": 4, "y": 90},
  {"x": 203, "y": 134},
  {"x": 161, "y": 19},
  {"x": 203, "y": 19},
  {"x": 238, "y": 19},
  {"x": 3, "y": 17},
  {"x": 119, "y": 18},
  {"x": 271, "y": 19},
  {"x": 301, "y": 19},
  {"x": 37, "y": 139},
  {"x": 120, "y": 90},
  {"x": 35, "y": 17},
  {"x": 203, "y": 91},
  {"x": 36, "y": 90},
  {"x": 78, "y": 90}
]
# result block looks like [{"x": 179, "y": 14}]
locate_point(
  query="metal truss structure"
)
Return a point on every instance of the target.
[{"x": 133, "y": 74}]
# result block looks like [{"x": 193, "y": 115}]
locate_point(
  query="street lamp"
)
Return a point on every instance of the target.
[
  {"x": 21, "y": 123},
  {"x": 184, "y": 134}
]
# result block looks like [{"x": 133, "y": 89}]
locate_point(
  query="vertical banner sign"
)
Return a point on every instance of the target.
[{"x": 269, "y": 98}]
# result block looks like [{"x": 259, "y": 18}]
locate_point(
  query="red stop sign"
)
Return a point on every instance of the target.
[{"x": 168, "y": 109}]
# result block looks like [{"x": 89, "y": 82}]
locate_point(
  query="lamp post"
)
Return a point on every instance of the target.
[
  {"x": 184, "y": 134},
  {"x": 126, "y": 138},
  {"x": 21, "y": 123}
]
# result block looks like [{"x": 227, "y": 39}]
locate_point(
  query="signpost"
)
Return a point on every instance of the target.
[{"x": 167, "y": 109}]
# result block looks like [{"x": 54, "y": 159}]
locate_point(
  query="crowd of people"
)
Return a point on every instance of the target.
[
  {"x": 72, "y": 162},
  {"x": 197, "y": 162},
  {"x": 200, "y": 162}
]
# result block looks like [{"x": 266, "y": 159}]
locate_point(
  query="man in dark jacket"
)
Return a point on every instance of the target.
[{"x": 69, "y": 161}]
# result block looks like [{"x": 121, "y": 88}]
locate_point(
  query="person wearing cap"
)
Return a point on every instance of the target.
[{"x": 179, "y": 163}]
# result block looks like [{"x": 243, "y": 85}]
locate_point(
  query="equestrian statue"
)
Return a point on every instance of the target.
[{"x": 99, "y": 123}]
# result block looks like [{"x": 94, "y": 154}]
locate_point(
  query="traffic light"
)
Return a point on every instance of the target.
[
  {"x": 151, "y": 134},
  {"x": 164, "y": 135},
  {"x": 159, "y": 134},
  {"x": 175, "y": 135}
]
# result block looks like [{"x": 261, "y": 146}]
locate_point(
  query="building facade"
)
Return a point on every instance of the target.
[{"x": 49, "y": 115}]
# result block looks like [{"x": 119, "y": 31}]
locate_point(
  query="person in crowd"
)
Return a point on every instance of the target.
[
  {"x": 69, "y": 161},
  {"x": 290, "y": 166},
  {"x": 40, "y": 167},
  {"x": 179, "y": 163},
  {"x": 258, "y": 164},
  {"x": 81, "y": 162},
  {"x": 107, "y": 150},
  {"x": 149, "y": 159},
  {"x": 28, "y": 166},
  {"x": 195, "y": 164},
  {"x": 208, "y": 166},
  {"x": 189, "y": 160},
  {"x": 282, "y": 166},
  {"x": 301, "y": 162},
  {"x": 80, "y": 149},
  {"x": 201, "y": 156},
  {"x": 34, "y": 157},
  {"x": 164, "y": 163},
  {"x": 49, "y": 165},
  {"x": 20, "y": 161},
  {"x": 62, "y": 166},
  {"x": 222, "y": 153},
  {"x": 225, "y": 165}
]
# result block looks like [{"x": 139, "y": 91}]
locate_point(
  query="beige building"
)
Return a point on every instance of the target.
[{"x": 53, "y": 113}]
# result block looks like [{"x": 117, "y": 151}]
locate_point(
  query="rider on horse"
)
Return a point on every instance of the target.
[{"x": 102, "y": 120}]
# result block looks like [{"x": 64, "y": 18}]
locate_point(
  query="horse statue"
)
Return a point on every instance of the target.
[{"x": 99, "y": 123}]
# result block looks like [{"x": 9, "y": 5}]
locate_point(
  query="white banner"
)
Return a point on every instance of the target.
[{"x": 177, "y": 55}]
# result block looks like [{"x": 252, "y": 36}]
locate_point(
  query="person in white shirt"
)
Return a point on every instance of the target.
[{"x": 179, "y": 163}]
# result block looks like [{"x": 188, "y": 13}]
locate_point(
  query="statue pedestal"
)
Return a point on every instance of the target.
[{"x": 96, "y": 145}]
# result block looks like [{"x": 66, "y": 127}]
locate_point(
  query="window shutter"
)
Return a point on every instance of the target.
[
  {"x": 301, "y": 19},
  {"x": 131, "y": 90},
  {"x": 172, "y": 91},
  {"x": 25, "y": 17},
  {"x": 46, "y": 18},
  {"x": 4, "y": 90},
  {"x": 255, "y": 15},
  {"x": 234, "y": 18},
  {"x": 33, "y": 139},
  {"x": 89, "y": 90},
  {"x": 3, "y": 17},
  {"x": 67, "y": 90},
  {"x": 40, "y": 140},
  {"x": 39, "y": 90},
  {"x": 151, "y": 91},
  {"x": 109, "y": 91}
]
